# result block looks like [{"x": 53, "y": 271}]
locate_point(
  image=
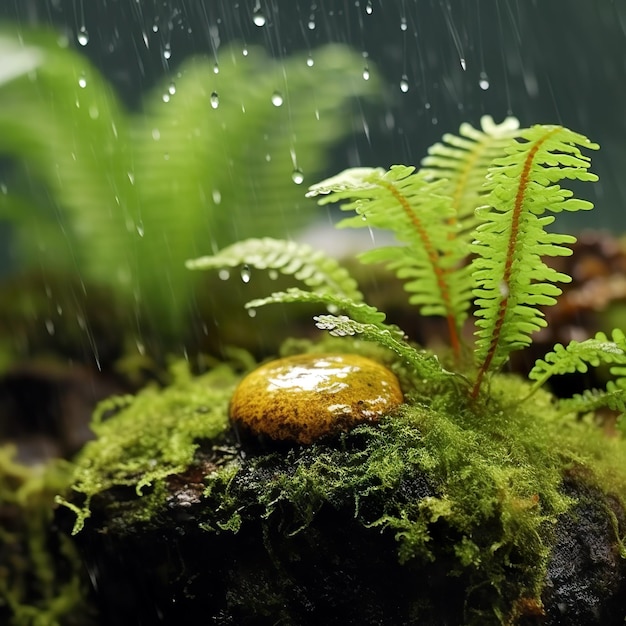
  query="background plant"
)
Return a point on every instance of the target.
[{"x": 124, "y": 198}]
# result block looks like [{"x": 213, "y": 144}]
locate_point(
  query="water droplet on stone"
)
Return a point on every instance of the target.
[
  {"x": 245, "y": 273},
  {"x": 83, "y": 36},
  {"x": 215, "y": 100},
  {"x": 297, "y": 176},
  {"x": 277, "y": 99}
]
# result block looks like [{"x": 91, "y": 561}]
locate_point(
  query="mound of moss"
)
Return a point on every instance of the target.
[{"x": 444, "y": 513}]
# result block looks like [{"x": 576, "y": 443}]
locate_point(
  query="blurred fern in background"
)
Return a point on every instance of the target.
[{"x": 122, "y": 199}]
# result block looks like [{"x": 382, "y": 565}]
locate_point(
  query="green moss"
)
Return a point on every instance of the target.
[
  {"x": 477, "y": 487},
  {"x": 143, "y": 439},
  {"x": 40, "y": 580}
]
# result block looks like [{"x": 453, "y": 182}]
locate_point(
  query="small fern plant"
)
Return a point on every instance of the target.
[{"x": 472, "y": 228}]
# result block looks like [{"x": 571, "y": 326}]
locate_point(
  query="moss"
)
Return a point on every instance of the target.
[
  {"x": 477, "y": 488},
  {"x": 143, "y": 439},
  {"x": 40, "y": 571}
]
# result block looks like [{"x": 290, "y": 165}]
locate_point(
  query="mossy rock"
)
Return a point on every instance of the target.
[{"x": 443, "y": 513}]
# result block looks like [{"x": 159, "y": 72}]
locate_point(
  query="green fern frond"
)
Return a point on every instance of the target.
[
  {"x": 313, "y": 267},
  {"x": 423, "y": 364},
  {"x": 418, "y": 212},
  {"x": 593, "y": 399},
  {"x": 577, "y": 356},
  {"x": 512, "y": 279},
  {"x": 359, "y": 311},
  {"x": 463, "y": 162}
]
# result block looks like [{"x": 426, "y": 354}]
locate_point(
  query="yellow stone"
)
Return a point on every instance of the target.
[{"x": 303, "y": 398}]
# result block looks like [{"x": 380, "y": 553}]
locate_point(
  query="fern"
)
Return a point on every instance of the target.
[
  {"x": 423, "y": 363},
  {"x": 418, "y": 211},
  {"x": 463, "y": 161},
  {"x": 512, "y": 279},
  {"x": 313, "y": 267}
]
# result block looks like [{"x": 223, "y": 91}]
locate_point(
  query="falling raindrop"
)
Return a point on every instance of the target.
[
  {"x": 366, "y": 73},
  {"x": 215, "y": 100},
  {"x": 368, "y": 7},
  {"x": 166, "y": 97},
  {"x": 277, "y": 99},
  {"x": 311, "y": 23},
  {"x": 252, "y": 312},
  {"x": 167, "y": 52},
  {"x": 131, "y": 178},
  {"x": 155, "y": 28},
  {"x": 310, "y": 62},
  {"x": 404, "y": 83},
  {"x": 403, "y": 24},
  {"x": 156, "y": 134},
  {"x": 217, "y": 196},
  {"x": 463, "y": 63},
  {"x": 82, "y": 81},
  {"x": 273, "y": 274},
  {"x": 216, "y": 68},
  {"x": 483, "y": 81},
  {"x": 297, "y": 176},
  {"x": 245, "y": 52},
  {"x": 83, "y": 36},
  {"x": 94, "y": 112},
  {"x": 50, "y": 326},
  {"x": 223, "y": 274},
  {"x": 172, "y": 89},
  {"x": 245, "y": 273},
  {"x": 258, "y": 18},
  {"x": 140, "y": 228}
]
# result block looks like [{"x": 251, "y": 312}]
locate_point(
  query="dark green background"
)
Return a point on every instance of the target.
[{"x": 549, "y": 61}]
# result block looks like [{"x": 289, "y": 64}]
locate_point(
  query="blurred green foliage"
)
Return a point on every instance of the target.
[{"x": 122, "y": 199}]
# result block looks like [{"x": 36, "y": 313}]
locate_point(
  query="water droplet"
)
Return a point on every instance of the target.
[
  {"x": 297, "y": 176},
  {"x": 156, "y": 134},
  {"x": 277, "y": 99},
  {"x": 59, "y": 310},
  {"x": 404, "y": 83},
  {"x": 223, "y": 274},
  {"x": 63, "y": 41},
  {"x": 166, "y": 97},
  {"x": 252, "y": 312},
  {"x": 140, "y": 228},
  {"x": 368, "y": 7},
  {"x": 463, "y": 63},
  {"x": 94, "y": 112},
  {"x": 172, "y": 89},
  {"x": 216, "y": 68},
  {"x": 258, "y": 18},
  {"x": 50, "y": 326},
  {"x": 366, "y": 73},
  {"x": 273, "y": 274},
  {"x": 217, "y": 196},
  {"x": 427, "y": 105},
  {"x": 311, "y": 23},
  {"x": 245, "y": 273},
  {"x": 403, "y": 24},
  {"x": 483, "y": 82},
  {"x": 310, "y": 62},
  {"x": 83, "y": 36},
  {"x": 215, "y": 100},
  {"x": 167, "y": 52},
  {"x": 131, "y": 178},
  {"x": 82, "y": 81},
  {"x": 155, "y": 28},
  {"x": 245, "y": 52}
]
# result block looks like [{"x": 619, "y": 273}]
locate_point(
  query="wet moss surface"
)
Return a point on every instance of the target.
[{"x": 443, "y": 513}]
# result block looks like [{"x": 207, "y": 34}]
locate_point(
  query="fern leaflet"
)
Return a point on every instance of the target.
[
  {"x": 313, "y": 267},
  {"x": 418, "y": 212},
  {"x": 512, "y": 279},
  {"x": 590, "y": 400},
  {"x": 423, "y": 363},
  {"x": 463, "y": 161}
]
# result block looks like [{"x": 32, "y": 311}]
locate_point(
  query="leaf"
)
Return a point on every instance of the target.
[
  {"x": 512, "y": 279},
  {"x": 313, "y": 267}
]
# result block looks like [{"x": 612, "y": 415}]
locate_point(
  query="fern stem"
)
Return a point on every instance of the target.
[
  {"x": 510, "y": 257},
  {"x": 433, "y": 257}
]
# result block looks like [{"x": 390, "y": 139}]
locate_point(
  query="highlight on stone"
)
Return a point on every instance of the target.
[{"x": 309, "y": 396}]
